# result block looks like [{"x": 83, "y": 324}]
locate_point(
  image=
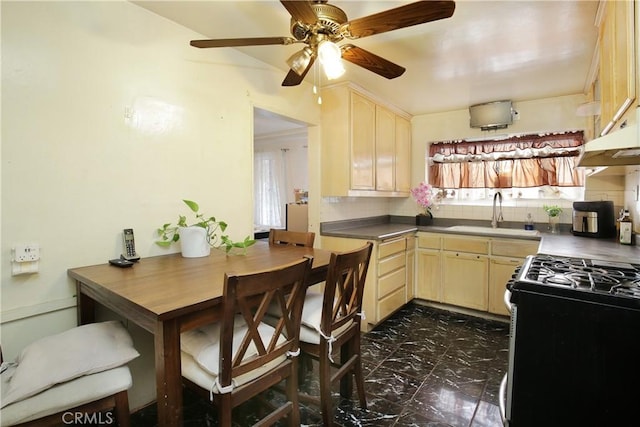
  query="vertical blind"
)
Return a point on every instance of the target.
[{"x": 519, "y": 161}]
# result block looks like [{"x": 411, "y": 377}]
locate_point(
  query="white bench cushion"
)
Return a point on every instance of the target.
[
  {"x": 55, "y": 359},
  {"x": 65, "y": 396}
]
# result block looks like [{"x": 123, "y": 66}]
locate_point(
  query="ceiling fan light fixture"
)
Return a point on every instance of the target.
[
  {"x": 331, "y": 59},
  {"x": 299, "y": 61}
]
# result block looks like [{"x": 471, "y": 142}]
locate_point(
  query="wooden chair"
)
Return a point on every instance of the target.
[
  {"x": 331, "y": 322},
  {"x": 296, "y": 238},
  {"x": 239, "y": 357}
]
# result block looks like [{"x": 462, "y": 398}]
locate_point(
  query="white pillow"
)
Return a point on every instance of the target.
[{"x": 83, "y": 350}]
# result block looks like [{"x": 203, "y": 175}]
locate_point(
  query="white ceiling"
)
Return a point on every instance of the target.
[{"x": 487, "y": 51}]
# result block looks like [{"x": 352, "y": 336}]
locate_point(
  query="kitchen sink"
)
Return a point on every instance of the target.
[{"x": 513, "y": 232}]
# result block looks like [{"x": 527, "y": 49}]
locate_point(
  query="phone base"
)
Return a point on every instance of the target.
[{"x": 122, "y": 263}]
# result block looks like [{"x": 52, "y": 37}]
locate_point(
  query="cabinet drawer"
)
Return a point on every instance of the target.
[
  {"x": 391, "y": 282},
  {"x": 466, "y": 244},
  {"x": 514, "y": 248},
  {"x": 391, "y": 247},
  {"x": 390, "y": 303},
  {"x": 391, "y": 263},
  {"x": 429, "y": 241}
]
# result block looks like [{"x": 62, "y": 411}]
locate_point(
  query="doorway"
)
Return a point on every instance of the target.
[{"x": 281, "y": 176}]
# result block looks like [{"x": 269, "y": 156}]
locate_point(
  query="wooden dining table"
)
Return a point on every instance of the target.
[{"x": 169, "y": 294}]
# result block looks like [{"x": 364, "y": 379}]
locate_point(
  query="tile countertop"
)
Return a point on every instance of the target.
[{"x": 562, "y": 244}]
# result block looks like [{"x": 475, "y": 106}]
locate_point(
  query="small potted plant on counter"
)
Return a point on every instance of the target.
[
  {"x": 426, "y": 197},
  {"x": 198, "y": 238},
  {"x": 553, "y": 211}
]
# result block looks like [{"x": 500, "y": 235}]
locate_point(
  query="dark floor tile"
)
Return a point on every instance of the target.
[
  {"x": 440, "y": 402},
  {"x": 391, "y": 385},
  {"x": 487, "y": 415}
]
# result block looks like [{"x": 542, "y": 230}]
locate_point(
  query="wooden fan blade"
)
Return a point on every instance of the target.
[
  {"x": 300, "y": 11},
  {"x": 371, "y": 62},
  {"x": 293, "y": 79},
  {"x": 399, "y": 17},
  {"x": 255, "y": 41}
]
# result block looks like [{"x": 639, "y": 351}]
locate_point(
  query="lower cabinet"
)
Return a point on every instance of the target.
[
  {"x": 464, "y": 279},
  {"x": 390, "y": 269},
  {"x": 411, "y": 268},
  {"x": 468, "y": 271},
  {"x": 429, "y": 270},
  {"x": 500, "y": 271}
]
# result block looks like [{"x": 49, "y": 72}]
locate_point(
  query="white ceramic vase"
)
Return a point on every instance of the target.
[{"x": 193, "y": 241}]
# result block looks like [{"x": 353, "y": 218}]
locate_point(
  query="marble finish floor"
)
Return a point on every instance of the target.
[{"x": 423, "y": 367}]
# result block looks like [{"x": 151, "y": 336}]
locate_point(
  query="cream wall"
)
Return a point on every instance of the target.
[{"x": 109, "y": 119}]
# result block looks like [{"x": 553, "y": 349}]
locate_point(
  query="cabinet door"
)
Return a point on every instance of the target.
[
  {"x": 411, "y": 260},
  {"x": 363, "y": 117},
  {"x": 403, "y": 154},
  {"x": 465, "y": 280},
  {"x": 429, "y": 277},
  {"x": 623, "y": 57},
  {"x": 500, "y": 271},
  {"x": 607, "y": 70},
  {"x": 385, "y": 149},
  {"x": 617, "y": 61}
]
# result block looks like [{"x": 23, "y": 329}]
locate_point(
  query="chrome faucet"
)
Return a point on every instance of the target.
[{"x": 495, "y": 219}]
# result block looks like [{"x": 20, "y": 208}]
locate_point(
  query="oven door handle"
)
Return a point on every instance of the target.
[
  {"x": 502, "y": 401},
  {"x": 507, "y": 299}
]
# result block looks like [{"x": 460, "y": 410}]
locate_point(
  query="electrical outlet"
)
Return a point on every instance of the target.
[{"x": 26, "y": 253}]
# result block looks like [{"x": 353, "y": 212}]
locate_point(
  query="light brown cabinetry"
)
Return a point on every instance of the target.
[
  {"x": 385, "y": 149},
  {"x": 363, "y": 112},
  {"x": 403, "y": 155},
  {"x": 500, "y": 271},
  {"x": 468, "y": 271},
  {"x": 366, "y": 145},
  {"x": 429, "y": 269},
  {"x": 506, "y": 255},
  {"x": 387, "y": 279},
  {"x": 411, "y": 269},
  {"x": 617, "y": 74},
  {"x": 465, "y": 272}
]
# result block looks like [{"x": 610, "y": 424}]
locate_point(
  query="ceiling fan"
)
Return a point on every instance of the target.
[{"x": 321, "y": 25}]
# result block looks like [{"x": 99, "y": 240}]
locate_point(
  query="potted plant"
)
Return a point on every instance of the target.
[
  {"x": 198, "y": 238},
  {"x": 553, "y": 211},
  {"x": 426, "y": 198}
]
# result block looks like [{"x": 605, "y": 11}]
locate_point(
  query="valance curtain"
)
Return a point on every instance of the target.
[{"x": 522, "y": 161}]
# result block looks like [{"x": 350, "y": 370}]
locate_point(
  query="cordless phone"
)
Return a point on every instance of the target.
[{"x": 129, "y": 245}]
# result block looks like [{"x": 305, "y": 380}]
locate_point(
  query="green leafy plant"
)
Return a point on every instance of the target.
[
  {"x": 553, "y": 210},
  {"x": 169, "y": 233}
]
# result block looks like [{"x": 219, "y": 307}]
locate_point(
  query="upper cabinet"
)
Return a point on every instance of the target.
[
  {"x": 617, "y": 77},
  {"x": 366, "y": 145}
]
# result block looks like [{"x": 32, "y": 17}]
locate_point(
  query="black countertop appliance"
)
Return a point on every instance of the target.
[{"x": 594, "y": 219}]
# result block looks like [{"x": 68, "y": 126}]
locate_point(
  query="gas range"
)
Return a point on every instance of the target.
[{"x": 616, "y": 283}]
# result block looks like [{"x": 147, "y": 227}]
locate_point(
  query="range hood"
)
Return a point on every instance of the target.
[{"x": 618, "y": 148}]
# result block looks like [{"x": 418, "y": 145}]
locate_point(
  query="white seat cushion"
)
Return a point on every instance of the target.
[
  {"x": 311, "y": 318},
  {"x": 200, "y": 353},
  {"x": 55, "y": 359},
  {"x": 65, "y": 396}
]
